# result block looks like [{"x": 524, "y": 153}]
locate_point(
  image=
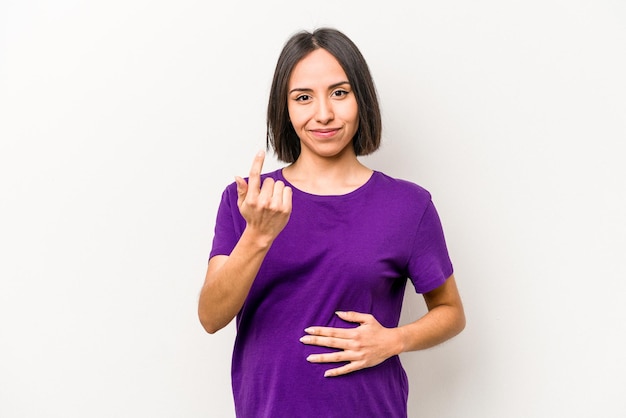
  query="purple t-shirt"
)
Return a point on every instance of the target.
[{"x": 352, "y": 252}]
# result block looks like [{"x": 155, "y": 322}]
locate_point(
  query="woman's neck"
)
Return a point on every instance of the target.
[{"x": 327, "y": 176}]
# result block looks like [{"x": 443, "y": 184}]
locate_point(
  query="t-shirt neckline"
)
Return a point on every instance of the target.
[{"x": 313, "y": 196}]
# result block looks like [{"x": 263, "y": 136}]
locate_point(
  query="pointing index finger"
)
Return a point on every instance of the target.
[{"x": 254, "y": 181}]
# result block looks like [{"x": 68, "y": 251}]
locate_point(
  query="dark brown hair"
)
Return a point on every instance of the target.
[{"x": 280, "y": 133}]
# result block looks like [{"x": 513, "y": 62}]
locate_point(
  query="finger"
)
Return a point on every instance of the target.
[
  {"x": 267, "y": 190},
  {"x": 355, "y": 317},
  {"x": 242, "y": 189},
  {"x": 336, "y": 357},
  {"x": 348, "y": 368},
  {"x": 331, "y": 342},
  {"x": 277, "y": 194},
  {"x": 287, "y": 198},
  {"x": 254, "y": 180},
  {"x": 330, "y": 332}
]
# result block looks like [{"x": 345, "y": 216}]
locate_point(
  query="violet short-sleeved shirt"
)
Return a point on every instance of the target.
[{"x": 352, "y": 252}]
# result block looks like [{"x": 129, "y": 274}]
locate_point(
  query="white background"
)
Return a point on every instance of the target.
[{"x": 122, "y": 121}]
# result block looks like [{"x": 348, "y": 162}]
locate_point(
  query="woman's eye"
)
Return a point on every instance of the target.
[
  {"x": 340, "y": 93},
  {"x": 302, "y": 98}
]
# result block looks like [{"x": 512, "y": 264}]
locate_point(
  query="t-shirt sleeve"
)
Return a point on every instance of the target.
[
  {"x": 227, "y": 230},
  {"x": 429, "y": 263}
]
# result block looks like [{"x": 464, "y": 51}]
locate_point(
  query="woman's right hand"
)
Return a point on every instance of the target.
[{"x": 265, "y": 207}]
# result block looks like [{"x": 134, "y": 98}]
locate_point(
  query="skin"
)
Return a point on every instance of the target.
[
  {"x": 266, "y": 208},
  {"x": 324, "y": 114}
]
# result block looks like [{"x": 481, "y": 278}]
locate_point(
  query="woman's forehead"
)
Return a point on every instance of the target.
[{"x": 318, "y": 68}]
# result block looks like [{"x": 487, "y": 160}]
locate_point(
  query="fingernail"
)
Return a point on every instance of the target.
[
  {"x": 308, "y": 330},
  {"x": 304, "y": 339},
  {"x": 260, "y": 153}
]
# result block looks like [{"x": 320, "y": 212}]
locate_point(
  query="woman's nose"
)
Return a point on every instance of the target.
[{"x": 324, "y": 111}]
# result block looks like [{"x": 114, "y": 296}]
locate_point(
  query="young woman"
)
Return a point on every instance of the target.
[{"x": 313, "y": 258}]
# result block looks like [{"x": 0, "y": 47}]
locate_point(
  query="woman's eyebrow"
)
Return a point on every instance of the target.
[{"x": 306, "y": 89}]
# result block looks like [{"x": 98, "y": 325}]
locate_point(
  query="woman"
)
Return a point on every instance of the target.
[{"x": 313, "y": 258}]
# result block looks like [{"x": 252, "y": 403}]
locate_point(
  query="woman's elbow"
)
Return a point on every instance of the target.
[
  {"x": 208, "y": 322},
  {"x": 460, "y": 322}
]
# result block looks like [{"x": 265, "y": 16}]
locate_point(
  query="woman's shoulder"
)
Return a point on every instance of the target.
[{"x": 401, "y": 186}]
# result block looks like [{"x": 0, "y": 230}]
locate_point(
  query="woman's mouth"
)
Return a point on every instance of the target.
[{"x": 324, "y": 133}]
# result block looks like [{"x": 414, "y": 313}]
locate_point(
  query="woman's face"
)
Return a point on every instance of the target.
[{"x": 322, "y": 107}]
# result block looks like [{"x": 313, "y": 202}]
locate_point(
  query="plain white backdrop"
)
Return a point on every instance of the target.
[{"x": 122, "y": 121}]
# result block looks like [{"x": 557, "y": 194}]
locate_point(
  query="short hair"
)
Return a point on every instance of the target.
[{"x": 281, "y": 135}]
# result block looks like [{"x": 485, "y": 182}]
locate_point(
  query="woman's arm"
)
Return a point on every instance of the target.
[
  {"x": 266, "y": 208},
  {"x": 228, "y": 281},
  {"x": 444, "y": 320},
  {"x": 370, "y": 343}
]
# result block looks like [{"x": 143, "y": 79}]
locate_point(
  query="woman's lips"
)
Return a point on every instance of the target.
[{"x": 324, "y": 133}]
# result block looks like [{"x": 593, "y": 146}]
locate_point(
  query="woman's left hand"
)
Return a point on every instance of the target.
[{"x": 367, "y": 345}]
